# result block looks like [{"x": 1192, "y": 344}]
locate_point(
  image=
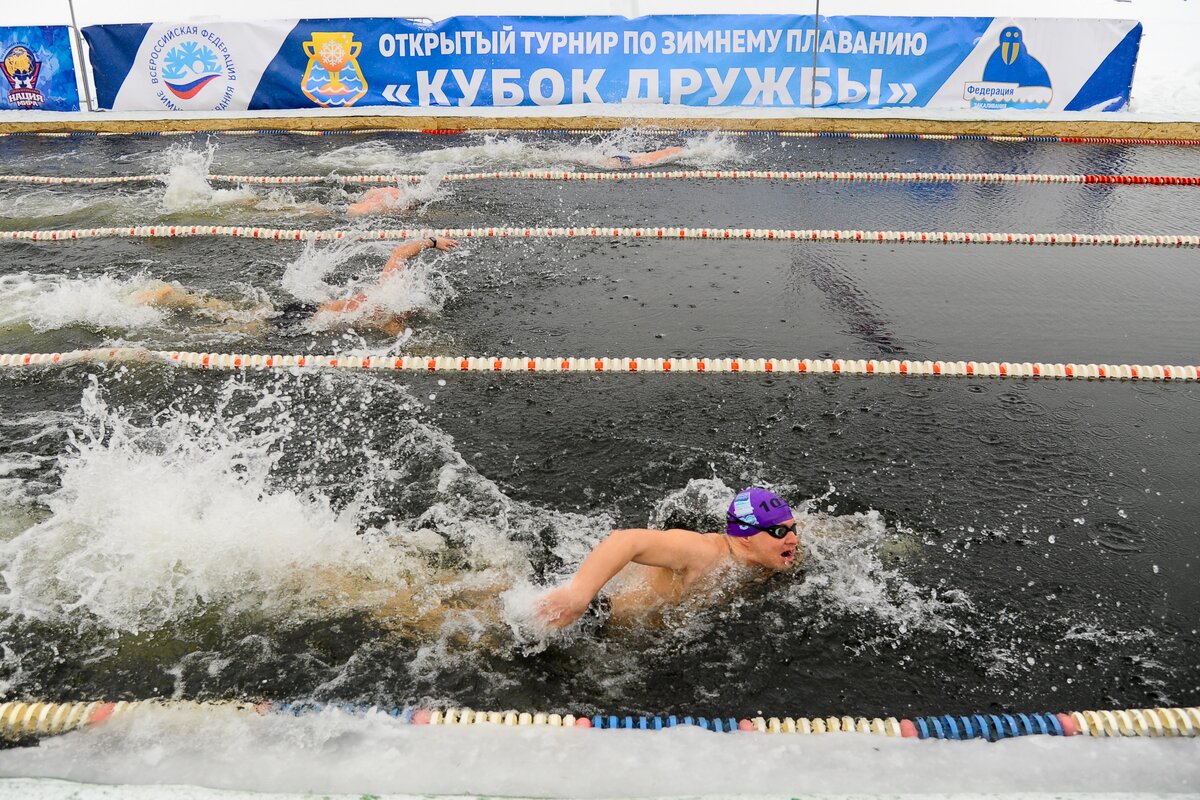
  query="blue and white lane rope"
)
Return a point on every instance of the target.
[{"x": 23, "y": 720}]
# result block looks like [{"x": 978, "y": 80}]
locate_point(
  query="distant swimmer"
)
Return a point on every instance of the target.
[
  {"x": 657, "y": 569},
  {"x": 379, "y": 200},
  {"x": 393, "y": 199},
  {"x": 356, "y": 308},
  {"x": 626, "y": 161}
]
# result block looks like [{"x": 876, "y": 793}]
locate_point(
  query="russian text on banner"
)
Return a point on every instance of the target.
[{"x": 752, "y": 61}]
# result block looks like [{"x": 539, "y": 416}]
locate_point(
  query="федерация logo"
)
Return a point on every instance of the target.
[
  {"x": 188, "y": 68},
  {"x": 1012, "y": 77},
  {"x": 187, "y": 61}
]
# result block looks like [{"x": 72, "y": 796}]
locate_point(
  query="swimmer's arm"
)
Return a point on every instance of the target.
[
  {"x": 400, "y": 254},
  {"x": 406, "y": 251},
  {"x": 673, "y": 549},
  {"x": 646, "y": 159}
]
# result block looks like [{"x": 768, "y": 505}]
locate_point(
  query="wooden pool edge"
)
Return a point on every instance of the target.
[{"x": 1150, "y": 131}]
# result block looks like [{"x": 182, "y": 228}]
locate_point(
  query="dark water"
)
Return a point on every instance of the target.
[{"x": 986, "y": 544}]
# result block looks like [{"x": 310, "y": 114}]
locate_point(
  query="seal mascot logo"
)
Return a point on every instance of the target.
[
  {"x": 188, "y": 68},
  {"x": 1012, "y": 77},
  {"x": 1012, "y": 63},
  {"x": 21, "y": 67},
  {"x": 333, "y": 77}
]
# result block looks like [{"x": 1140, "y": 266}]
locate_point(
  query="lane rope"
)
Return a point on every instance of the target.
[
  {"x": 608, "y": 364},
  {"x": 940, "y": 137},
  {"x": 19, "y": 720},
  {"x": 643, "y": 175},
  {"x": 597, "y": 232}
]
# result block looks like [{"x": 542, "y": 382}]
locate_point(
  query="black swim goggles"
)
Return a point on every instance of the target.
[{"x": 774, "y": 531}]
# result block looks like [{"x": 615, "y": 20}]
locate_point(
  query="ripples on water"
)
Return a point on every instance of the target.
[{"x": 382, "y": 538}]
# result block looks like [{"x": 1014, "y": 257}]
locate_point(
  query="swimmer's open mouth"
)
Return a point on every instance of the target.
[{"x": 787, "y": 554}]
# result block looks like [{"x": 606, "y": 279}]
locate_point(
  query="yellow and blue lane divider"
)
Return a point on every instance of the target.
[{"x": 20, "y": 721}]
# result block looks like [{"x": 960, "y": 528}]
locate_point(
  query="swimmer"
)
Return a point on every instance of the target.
[
  {"x": 656, "y": 569},
  {"x": 641, "y": 159},
  {"x": 386, "y": 199},
  {"x": 169, "y": 295},
  {"x": 378, "y": 200}
]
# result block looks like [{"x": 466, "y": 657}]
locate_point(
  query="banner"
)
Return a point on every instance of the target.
[
  {"x": 38, "y": 69},
  {"x": 763, "y": 61}
]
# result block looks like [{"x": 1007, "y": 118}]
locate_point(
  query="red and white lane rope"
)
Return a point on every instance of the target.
[
  {"x": 941, "y": 137},
  {"x": 642, "y": 175},
  {"x": 607, "y": 364},
  {"x": 661, "y": 233},
  {"x": 76, "y": 180}
]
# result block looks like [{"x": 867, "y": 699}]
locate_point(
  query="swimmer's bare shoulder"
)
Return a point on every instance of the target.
[{"x": 673, "y": 561}]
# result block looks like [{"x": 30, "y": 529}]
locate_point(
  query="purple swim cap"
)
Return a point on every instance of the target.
[{"x": 759, "y": 507}]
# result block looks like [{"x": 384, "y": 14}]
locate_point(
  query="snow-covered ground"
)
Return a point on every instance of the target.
[
  {"x": 1166, "y": 82},
  {"x": 333, "y": 753}
]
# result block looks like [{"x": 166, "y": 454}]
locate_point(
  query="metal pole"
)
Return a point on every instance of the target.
[
  {"x": 812, "y": 89},
  {"x": 83, "y": 66}
]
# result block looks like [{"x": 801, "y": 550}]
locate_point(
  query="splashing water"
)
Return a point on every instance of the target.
[
  {"x": 403, "y": 195},
  {"x": 845, "y": 569},
  {"x": 420, "y": 287},
  {"x": 22, "y": 203},
  {"x": 51, "y": 302},
  {"x": 106, "y": 302},
  {"x": 305, "y": 277},
  {"x": 383, "y": 158},
  {"x": 153, "y": 524},
  {"x": 710, "y": 150},
  {"x": 187, "y": 186}
]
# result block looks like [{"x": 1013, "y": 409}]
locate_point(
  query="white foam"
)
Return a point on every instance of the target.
[
  {"x": 507, "y": 152},
  {"x": 26, "y": 203},
  {"x": 420, "y": 286},
  {"x": 155, "y": 524},
  {"x": 50, "y": 302},
  {"x": 108, "y": 302},
  {"x": 187, "y": 187},
  {"x": 304, "y": 278}
]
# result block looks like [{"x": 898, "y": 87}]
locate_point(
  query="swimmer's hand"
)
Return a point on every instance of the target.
[
  {"x": 445, "y": 243},
  {"x": 562, "y": 606}
]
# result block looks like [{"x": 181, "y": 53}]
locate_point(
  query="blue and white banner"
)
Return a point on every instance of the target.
[
  {"x": 770, "y": 61},
  {"x": 37, "y": 69}
]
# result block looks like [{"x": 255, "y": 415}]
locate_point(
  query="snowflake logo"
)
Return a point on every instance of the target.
[
  {"x": 333, "y": 55},
  {"x": 189, "y": 58}
]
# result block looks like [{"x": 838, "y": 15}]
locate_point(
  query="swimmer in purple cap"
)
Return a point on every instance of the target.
[{"x": 660, "y": 568}]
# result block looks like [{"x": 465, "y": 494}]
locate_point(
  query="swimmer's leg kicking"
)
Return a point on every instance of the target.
[{"x": 161, "y": 294}]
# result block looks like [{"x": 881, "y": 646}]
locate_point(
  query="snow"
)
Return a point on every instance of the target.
[{"x": 334, "y": 753}]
